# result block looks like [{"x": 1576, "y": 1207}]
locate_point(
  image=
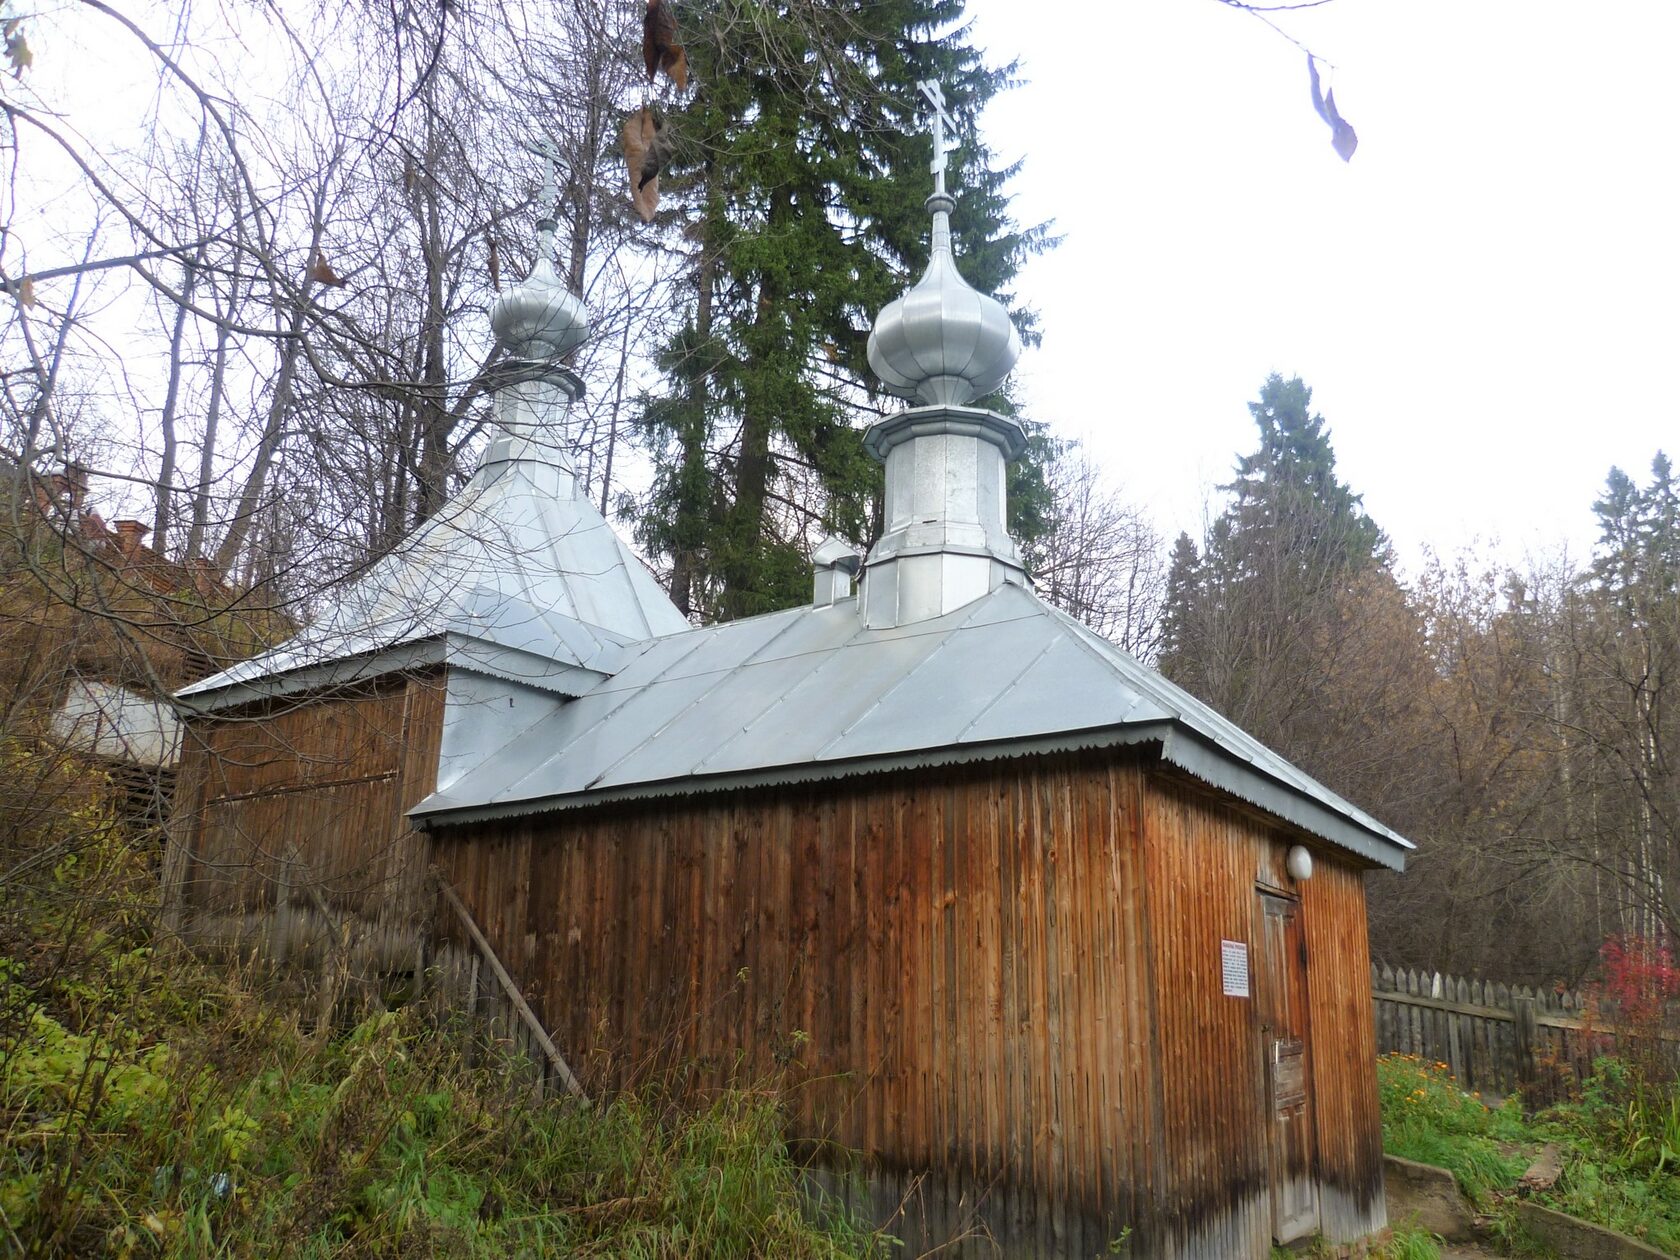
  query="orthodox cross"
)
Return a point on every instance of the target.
[
  {"x": 545, "y": 149},
  {"x": 941, "y": 120}
]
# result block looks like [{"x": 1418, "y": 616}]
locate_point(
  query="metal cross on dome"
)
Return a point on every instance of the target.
[
  {"x": 941, "y": 120},
  {"x": 550, "y": 153}
]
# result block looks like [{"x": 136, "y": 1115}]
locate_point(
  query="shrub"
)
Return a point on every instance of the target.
[{"x": 168, "y": 1111}]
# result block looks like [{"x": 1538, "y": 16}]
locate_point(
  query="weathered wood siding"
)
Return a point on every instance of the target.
[
  {"x": 1000, "y": 985},
  {"x": 283, "y": 809},
  {"x": 1344, "y": 1065}
]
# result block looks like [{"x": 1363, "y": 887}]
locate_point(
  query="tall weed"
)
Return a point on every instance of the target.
[{"x": 164, "y": 1109}]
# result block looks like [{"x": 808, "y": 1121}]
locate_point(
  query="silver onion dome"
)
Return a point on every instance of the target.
[
  {"x": 540, "y": 318},
  {"x": 943, "y": 343}
]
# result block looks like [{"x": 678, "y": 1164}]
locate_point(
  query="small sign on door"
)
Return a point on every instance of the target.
[{"x": 1233, "y": 967}]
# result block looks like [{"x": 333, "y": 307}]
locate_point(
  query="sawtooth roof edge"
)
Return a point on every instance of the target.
[
  {"x": 462, "y": 651},
  {"x": 1179, "y": 746},
  {"x": 518, "y": 558},
  {"x": 1222, "y": 736}
]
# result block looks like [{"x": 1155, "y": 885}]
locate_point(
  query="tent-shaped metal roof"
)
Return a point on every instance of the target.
[
  {"x": 518, "y": 576},
  {"x": 812, "y": 694}
]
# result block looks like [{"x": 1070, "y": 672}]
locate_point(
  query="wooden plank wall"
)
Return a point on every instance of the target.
[
  {"x": 999, "y": 985},
  {"x": 1201, "y": 881},
  {"x": 282, "y": 810},
  {"x": 1344, "y": 1066},
  {"x": 1208, "y": 858}
]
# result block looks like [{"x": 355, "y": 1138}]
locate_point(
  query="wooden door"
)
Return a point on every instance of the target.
[{"x": 1285, "y": 1039}]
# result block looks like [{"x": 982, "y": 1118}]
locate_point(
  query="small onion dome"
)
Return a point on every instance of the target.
[
  {"x": 943, "y": 343},
  {"x": 540, "y": 318}
]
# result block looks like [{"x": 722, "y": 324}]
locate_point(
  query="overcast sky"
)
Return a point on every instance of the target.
[{"x": 1483, "y": 300}]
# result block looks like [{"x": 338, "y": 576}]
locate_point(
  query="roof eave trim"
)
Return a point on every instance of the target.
[
  {"x": 344, "y": 672},
  {"x": 1177, "y": 747},
  {"x": 530, "y": 669},
  {"x": 464, "y": 652},
  {"x": 1203, "y": 761}
]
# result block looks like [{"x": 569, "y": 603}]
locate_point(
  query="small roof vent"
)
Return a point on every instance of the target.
[{"x": 833, "y": 566}]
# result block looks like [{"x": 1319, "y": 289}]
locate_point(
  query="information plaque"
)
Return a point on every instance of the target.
[{"x": 1233, "y": 966}]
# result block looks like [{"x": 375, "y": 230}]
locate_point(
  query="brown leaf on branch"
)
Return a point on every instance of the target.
[
  {"x": 495, "y": 263},
  {"x": 17, "y": 49},
  {"x": 658, "y": 153},
  {"x": 660, "y": 50},
  {"x": 645, "y": 150},
  {"x": 321, "y": 272},
  {"x": 1342, "y": 136},
  {"x": 26, "y": 292}
]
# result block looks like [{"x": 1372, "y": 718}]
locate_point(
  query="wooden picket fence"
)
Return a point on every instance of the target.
[{"x": 1495, "y": 1038}]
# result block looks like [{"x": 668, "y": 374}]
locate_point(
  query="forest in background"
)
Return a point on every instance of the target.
[
  {"x": 256, "y": 310},
  {"x": 1518, "y": 724}
]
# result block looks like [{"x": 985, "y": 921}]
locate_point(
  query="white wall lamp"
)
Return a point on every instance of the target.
[{"x": 1299, "y": 864}]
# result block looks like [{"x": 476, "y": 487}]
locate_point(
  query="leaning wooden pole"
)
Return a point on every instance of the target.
[
  {"x": 335, "y": 958},
  {"x": 512, "y": 990}
]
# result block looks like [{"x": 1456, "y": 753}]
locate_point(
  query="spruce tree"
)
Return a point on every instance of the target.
[
  {"x": 1617, "y": 564},
  {"x": 1180, "y": 610},
  {"x": 1637, "y": 565},
  {"x": 1251, "y": 621},
  {"x": 1290, "y": 508},
  {"x": 795, "y": 192},
  {"x": 1659, "y": 528}
]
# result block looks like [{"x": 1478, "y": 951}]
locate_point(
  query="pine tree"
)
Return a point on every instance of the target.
[
  {"x": 1180, "y": 613},
  {"x": 1291, "y": 509},
  {"x": 1617, "y": 564},
  {"x": 1255, "y": 621},
  {"x": 798, "y": 178},
  {"x": 1638, "y": 559},
  {"x": 1626, "y": 697},
  {"x": 1659, "y": 529}
]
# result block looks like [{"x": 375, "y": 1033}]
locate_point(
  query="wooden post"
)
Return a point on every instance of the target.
[
  {"x": 1526, "y": 1036},
  {"x": 281, "y": 933},
  {"x": 526, "y": 1014},
  {"x": 338, "y": 938},
  {"x": 1457, "y": 992}
]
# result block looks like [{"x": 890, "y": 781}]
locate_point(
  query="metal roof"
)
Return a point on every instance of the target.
[
  {"x": 810, "y": 694},
  {"x": 519, "y": 571}
]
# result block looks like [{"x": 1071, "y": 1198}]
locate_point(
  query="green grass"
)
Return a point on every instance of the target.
[
  {"x": 165, "y": 1110},
  {"x": 1428, "y": 1118},
  {"x": 1620, "y": 1141},
  {"x": 1411, "y": 1244},
  {"x": 1617, "y": 1141},
  {"x": 1403, "y": 1244}
]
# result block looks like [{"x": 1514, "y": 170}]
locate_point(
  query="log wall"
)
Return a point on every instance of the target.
[{"x": 999, "y": 986}]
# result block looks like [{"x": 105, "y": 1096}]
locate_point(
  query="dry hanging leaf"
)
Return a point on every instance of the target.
[
  {"x": 637, "y": 138},
  {"x": 18, "y": 51},
  {"x": 660, "y": 50},
  {"x": 322, "y": 273},
  {"x": 26, "y": 292},
  {"x": 495, "y": 264},
  {"x": 658, "y": 152},
  {"x": 1342, "y": 136}
]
